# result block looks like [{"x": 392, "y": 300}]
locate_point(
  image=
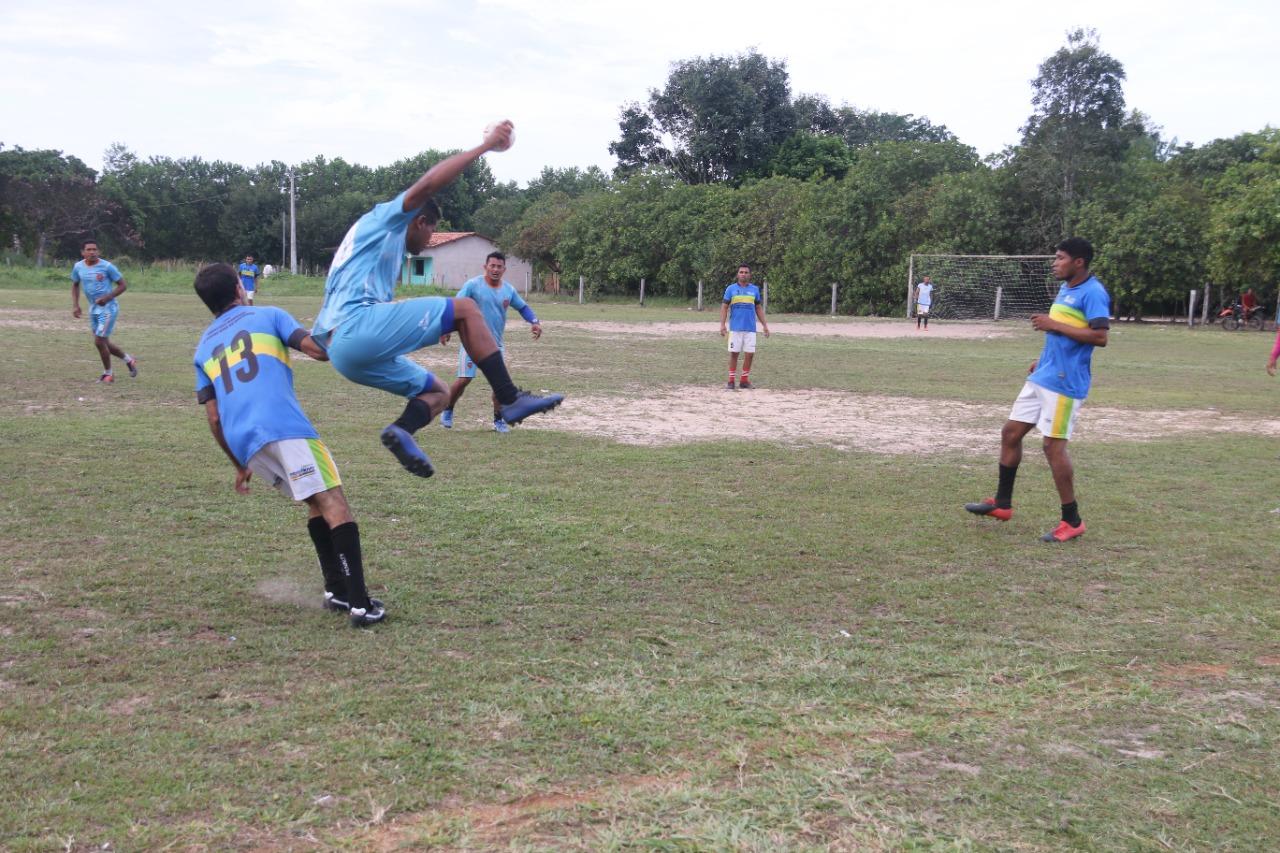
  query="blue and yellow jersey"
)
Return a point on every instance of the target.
[
  {"x": 242, "y": 360},
  {"x": 366, "y": 267},
  {"x": 1065, "y": 365},
  {"x": 97, "y": 280},
  {"x": 742, "y": 301},
  {"x": 249, "y": 276},
  {"x": 493, "y": 303}
]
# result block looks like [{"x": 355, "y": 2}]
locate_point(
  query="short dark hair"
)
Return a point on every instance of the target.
[
  {"x": 430, "y": 210},
  {"x": 86, "y": 242},
  {"x": 740, "y": 266},
  {"x": 216, "y": 285},
  {"x": 497, "y": 255},
  {"x": 1077, "y": 247}
]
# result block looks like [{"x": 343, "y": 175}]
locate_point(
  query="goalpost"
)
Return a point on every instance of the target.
[{"x": 984, "y": 287}]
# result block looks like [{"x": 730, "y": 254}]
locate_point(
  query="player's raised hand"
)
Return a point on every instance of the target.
[
  {"x": 242, "y": 480},
  {"x": 500, "y": 135},
  {"x": 1043, "y": 323}
]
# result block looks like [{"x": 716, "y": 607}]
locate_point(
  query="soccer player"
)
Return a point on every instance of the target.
[
  {"x": 249, "y": 277},
  {"x": 494, "y": 296},
  {"x": 102, "y": 283},
  {"x": 924, "y": 299},
  {"x": 1056, "y": 386},
  {"x": 742, "y": 307},
  {"x": 244, "y": 381},
  {"x": 367, "y": 336}
]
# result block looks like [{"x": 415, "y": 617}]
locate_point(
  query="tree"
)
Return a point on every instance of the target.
[{"x": 717, "y": 119}]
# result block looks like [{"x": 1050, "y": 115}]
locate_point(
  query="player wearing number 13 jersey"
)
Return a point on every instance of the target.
[{"x": 245, "y": 383}]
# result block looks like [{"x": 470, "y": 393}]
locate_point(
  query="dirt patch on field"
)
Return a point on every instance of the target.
[
  {"x": 42, "y": 320},
  {"x": 846, "y": 421},
  {"x": 861, "y": 328}
]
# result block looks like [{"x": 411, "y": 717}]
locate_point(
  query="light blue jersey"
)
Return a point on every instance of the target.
[
  {"x": 366, "y": 267},
  {"x": 1065, "y": 365},
  {"x": 97, "y": 280},
  {"x": 493, "y": 303},
  {"x": 242, "y": 360}
]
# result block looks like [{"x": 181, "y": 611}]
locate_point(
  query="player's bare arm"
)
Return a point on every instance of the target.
[
  {"x": 308, "y": 347},
  {"x": 443, "y": 173},
  {"x": 215, "y": 427},
  {"x": 120, "y": 288},
  {"x": 724, "y": 317},
  {"x": 75, "y": 299},
  {"x": 1094, "y": 337},
  {"x": 760, "y": 316}
]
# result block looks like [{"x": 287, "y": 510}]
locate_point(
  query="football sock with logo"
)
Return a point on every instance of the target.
[
  {"x": 499, "y": 379},
  {"x": 1071, "y": 513},
  {"x": 416, "y": 415},
  {"x": 1004, "y": 490},
  {"x": 334, "y": 582},
  {"x": 346, "y": 546}
]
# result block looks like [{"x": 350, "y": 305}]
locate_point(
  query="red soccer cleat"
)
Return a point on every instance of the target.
[
  {"x": 1063, "y": 532},
  {"x": 988, "y": 508}
]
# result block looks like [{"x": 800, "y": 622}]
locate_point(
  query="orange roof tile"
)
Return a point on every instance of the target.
[{"x": 441, "y": 237}]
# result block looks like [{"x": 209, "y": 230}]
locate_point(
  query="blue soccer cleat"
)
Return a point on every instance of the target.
[
  {"x": 446, "y": 419},
  {"x": 528, "y": 403},
  {"x": 406, "y": 451},
  {"x": 499, "y": 425}
]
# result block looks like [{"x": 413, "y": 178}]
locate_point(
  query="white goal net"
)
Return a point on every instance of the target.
[{"x": 984, "y": 287}]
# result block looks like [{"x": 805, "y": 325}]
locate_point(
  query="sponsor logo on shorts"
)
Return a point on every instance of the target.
[{"x": 304, "y": 471}]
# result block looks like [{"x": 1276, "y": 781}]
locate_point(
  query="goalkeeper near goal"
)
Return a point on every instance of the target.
[{"x": 1057, "y": 383}]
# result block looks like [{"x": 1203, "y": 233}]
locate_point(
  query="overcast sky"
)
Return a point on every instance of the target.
[{"x": 378, "y": 80}]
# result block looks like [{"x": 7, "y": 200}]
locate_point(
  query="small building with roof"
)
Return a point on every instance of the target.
[{"x": 452, "y": 257}]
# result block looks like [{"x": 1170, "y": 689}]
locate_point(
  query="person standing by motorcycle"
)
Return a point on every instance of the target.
[{"x": 1248, "y": 303}]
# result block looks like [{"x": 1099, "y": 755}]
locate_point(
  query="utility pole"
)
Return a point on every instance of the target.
[
  {"x": 284, "y": 240},
  {"x": 293, "y": 228}
]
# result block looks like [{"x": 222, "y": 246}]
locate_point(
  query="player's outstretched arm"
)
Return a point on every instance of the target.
[
  {"x": 215, "y": 426},
  {"x": 443, "y": 173}
]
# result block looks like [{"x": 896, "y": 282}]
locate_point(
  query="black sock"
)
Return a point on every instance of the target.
[
  {"x": 346, "y": 545},
  {"x": 1071, "y": 513},
  {"x": 1004, "y": 491},
  {"x": 334, "y": 582},
  {"x": 499, "y": 379},
  {"x": 416, "y": 415}
]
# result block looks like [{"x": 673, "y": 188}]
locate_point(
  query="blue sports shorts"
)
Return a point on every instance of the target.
[
  {"x": 467, "y": 367},
  {"x": 102, "y": 319},
  {"x": 370, "y": 344}
]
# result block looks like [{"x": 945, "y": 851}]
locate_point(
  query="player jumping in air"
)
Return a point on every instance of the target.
[
  {"x": 102, "y": 283},
  {"x": 244, "y": 380},
  {"x": 494, "y": 296},
  {"x": 367, "y": 336},
  {"x": 1056, "y": 386},
  {"x": 741, "y": 308}
]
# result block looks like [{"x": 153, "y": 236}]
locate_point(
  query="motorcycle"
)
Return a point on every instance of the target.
[{"x": 1255, "y": 319}]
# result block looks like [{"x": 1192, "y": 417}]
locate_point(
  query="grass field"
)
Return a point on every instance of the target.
[{"x": 726, "y": 645}]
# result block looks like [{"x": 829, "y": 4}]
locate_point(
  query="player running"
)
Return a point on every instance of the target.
[
  {"x": 102, "y": 283},
  {"x": 367, "y": 336},
  {"x": 244, "y": 380},
  {"x": 742, "y": 306},
  {"x": 1056, "y": 386},
  {"x": 494, "y": 296}
]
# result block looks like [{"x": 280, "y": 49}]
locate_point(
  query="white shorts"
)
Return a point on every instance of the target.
[
  {"x": 922, "y": 309},
  {"x": 1052, "y": 413},
  {"x": 742, "y": 342},
  {"x": 298, "y": 467}
]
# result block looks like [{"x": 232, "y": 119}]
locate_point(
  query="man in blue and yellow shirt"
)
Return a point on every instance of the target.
[
  {"x": 249, "y": 276},
  {"x": 1056, "y": 386},
  {"x": 742, "y": 307}
]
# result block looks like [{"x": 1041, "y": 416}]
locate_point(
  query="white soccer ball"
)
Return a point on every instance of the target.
[{"x": 489, "y": 128}]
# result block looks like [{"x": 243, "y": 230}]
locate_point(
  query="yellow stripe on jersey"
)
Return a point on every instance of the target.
[
  {"x": 743, "y": 297},
  {"x": 1073, "y": 317},
  {"x": 263, "y": 344}
]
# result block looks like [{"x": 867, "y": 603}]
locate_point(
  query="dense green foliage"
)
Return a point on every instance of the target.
[{"x": 724, "y": 164}]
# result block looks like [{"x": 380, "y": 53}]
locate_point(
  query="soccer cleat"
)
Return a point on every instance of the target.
[
  {"x": 527, "y": 403},
  {"x": 446, "y": 419},
  {"x": 106, "y": 379},
  {"x": 132, "y": 364},
  {"x": 406, "y": 451},
  {"x": 745, "y": 385},
  {"x": 339, "y": 605},
  {"x": 988, "y": 508},
  {"x": 729, "y": 386},
  {"x": 363, "y": 617},
  {"x": 499, "y": 425},
  {"x": 1063, "y": 532}
]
